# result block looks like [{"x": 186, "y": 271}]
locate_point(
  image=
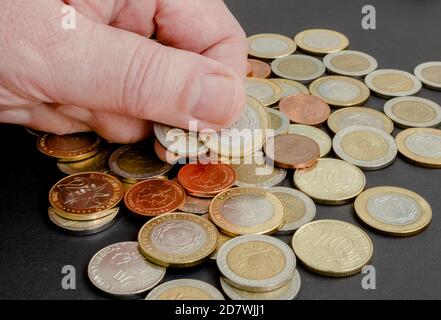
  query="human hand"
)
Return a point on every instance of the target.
[{"x": 107, "y": 76}]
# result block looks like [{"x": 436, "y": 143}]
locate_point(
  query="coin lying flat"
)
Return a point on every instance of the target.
[
  {"x": 221, "y": 240},
  {"x": 298, "y": 67},
  {"x": 305, "y": 109},
  {"x": 429, "y": 73},
  {"x": 366, "y": 147},
  {"x": 185, "y": 289},
  {"x": 279, "y": 122},
  {"x": 299, "y": 208},
  {"x": 290, "y": 87},
  {"x": 287, "y": 292},
  {"x": 259, "y": 69},
  {"x": 394, "y": 211},
  {"x": 359, "y": 116},
  {"x": 330, "y": 181},
  {"x": 247, "y": 211},
  {"x": 340, "y": 91},
  {"x": 270, "y": 46},
  {"x": 264, "y": 90},
  {"x": 421, "y": 146},
  {"x": 258, "y": 174},
  {"x": 408, "y": 112},
  {"x": 392, "y": 83},
  {"x": 195, "y": 205},
  {"x": 332, "y": 247},
  {"x": 120, "y": 270},
  {"x": 97, "y": 163},
  {"x": 350, "y": 63},
  {"x": 256, "y": 263},
  {"x": 321, "y": 41},
  {"x": 177, "y": 239},
  {"x": 319, "y": 136}
]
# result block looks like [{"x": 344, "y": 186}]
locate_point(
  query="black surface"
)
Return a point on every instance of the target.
[{"x": 33, "y": 251}]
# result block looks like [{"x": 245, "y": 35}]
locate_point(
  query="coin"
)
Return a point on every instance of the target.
[
  {"x": 164, "y": 155},
  {"x": 332, "y": 248},
  {"x": 321, "y": 41},
  {"x": 71, "y": 147},
  {"x": 319, "y": 136},
  {"x": 330, "y": 181},
  {"x": 264, "y": 90},
  {"x": 256, "y": 263},
  {"x": 97, "y": 163},
  {"x": 429, "y": 73},
  {"x": 86, "y": 196},
  {"x": 120, "y": 270},
  {"x": 298, "y": 67},
  {"x": 290, "y": 87},
  {"x": 392, "y": 83},
  {"x": 177, "y": 239},
  {"x": 278, "y": 121},
  {"x": 408, "y": 112},
  {"x": 366, "y": 147},
  {"x": 221, "y": 240},
  {"x": 299, "y": 208},
  {"x": 243, "y": 137},
  {"x": 136, "y": 162},
  {"x": 287, "y": 292},
  {"x": 185, "y": 289},
  {"x": 270, "y": 46},
  {"x": 247, "y": 211},
  {"x": 195, "y": 205},
  {"x": 394, "y": 211},
  {"x": 350, "y": 63},
  {"x": 359, "y": 116},
  {"x": 340, "y": 91},
  {"x": 292, "y": 151},
  {"x": 154, "y": 197},
  {"x": 259, "y": 69},
  {"x": 305, "y": 109},
  {"x": 206, "y": 180},
  {"x": 34, "y": 132},
  {"x": 421, "y": 146}
]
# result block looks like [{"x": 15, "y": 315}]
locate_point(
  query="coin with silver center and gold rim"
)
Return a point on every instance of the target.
[
  {"x": 270, "y": 46},
  {"x": 298, "y": 67},
  {"x": 350, "y": 63},
  {"x": 256, "y": 263},
  {"x": 367, "y": 148},
  {"x": 177, "y": 239},
  {"x": 185, "y": 289},
  {"x": 321, "y": 41},
  {"x": 247, "y": 210},
  {"x": 421, "y": 146},
  {"x": 290, "y": 87},
  {"x": 319, "y": 136},
  {"x": 332, "y": 248},
  {"x": 392, "y": 83},
  {"x": 221, "y": 240},
  {"x": 279, "y": 122},
  {"x": 429, "y": 74},
  {"x": 264, "y": 90},
  {"x": 330, "y": 181}
]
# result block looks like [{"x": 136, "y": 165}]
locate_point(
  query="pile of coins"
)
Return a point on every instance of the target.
[{"x": 233, "y": 210}]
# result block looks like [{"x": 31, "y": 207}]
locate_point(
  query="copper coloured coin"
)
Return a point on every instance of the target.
[
  {"x": 305, "y": 109},
  {"x": 154, "y": 197},
  {"x": 206, "y": 180},
  {"x": 292, "y": 151},
  {"x": 259, "y": 69}
]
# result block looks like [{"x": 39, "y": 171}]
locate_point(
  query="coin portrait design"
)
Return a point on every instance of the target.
[
  {"x": 424, "y": 144},
  {"x": 393, "y": 208},
  {"x": 247, "y": 210}
]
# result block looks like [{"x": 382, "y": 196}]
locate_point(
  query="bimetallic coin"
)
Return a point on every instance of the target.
[
  {"x": 247, "y": 211},
  {"x": 120, "y": 270},
  {"x": 366, "y": 147},
  {"x": 221, "y": 240},
  {"x": 185, "y": 289},
  {"x": 298, "y": 67},
  {"x": 279, "y": 122},
  {"x": 256, "y": 263},
  {"x": 305, "y": 109},
  {"x": 359, "y": 116},
  {"x": 195, "y": 205},
  {"x": 258, "y": 174},
  {"x": 330, "y": 181},
  {"x": 421, "y": 146},
  {"x": 429, "y": 73},
  {"x": 299, "y": 208},
  {"x": 321, "y": 41},
  {"x": 264, "y": 90},
  {"x": 394, "y": 211},
  {"x": 177, "y": 239},
  {"x": 392, "y": 83},
  {"x": 350, "y": 63},
  {"x": 408, "y": 112},
  {"x": 340, "y": 91},
  {"x": 319, "y": 136},
  {"x": 270, "y": 46},
  {"x": 259, "y": 69},
  {"x": 332, "y": 248},
  {"x": 290, "y": 87},
  {"x": 287, "y": 292},
  {"x": 96, "y": 163}
]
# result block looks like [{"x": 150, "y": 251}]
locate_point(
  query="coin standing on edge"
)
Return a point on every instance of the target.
[
  {"x": 278, "y": 121},
  {"x": 270, "y": 46},
  {"x": 259, "y": 69},
  {"x": 319, "y": 136},
  {"x": 392, "y": 83},
  {"x": 265, "y": 91},
  {"x": 350, "y": 63},
  {"x": 321, "y": 41},
  {"x": 298, "y": 67},
  {"x": 429, "y": 73},
  {"x": 185, "y": 289},
  {"x": 290, "y": 87},
  {"x": 305, "y": 109}
]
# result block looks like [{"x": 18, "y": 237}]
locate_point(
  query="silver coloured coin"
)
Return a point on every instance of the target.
[
  {"x": 279, "y": 122},
  {"x": 319, "y": 136},
  {"x": 120, "y": 270},
  {"x": 185, "y": 289},
  {"x": 270, "y": 46},
  {"x": 264, "y": 90},
  {"x": 392, "y": 83},
  {"x": 424, "y": 144},
  {"x": 429, "y": 73},
  {"x": 350, "y": 63},
  {"x": 298, "y": 67},
  {"x": 290, "y": 87}
]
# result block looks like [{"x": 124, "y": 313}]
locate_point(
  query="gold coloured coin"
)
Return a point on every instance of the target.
[
  {"x": 392, "y": 83},
  {"x": 278, "y": 121},
  {"x": 319, "y": 136},
  {"x": 332, "y": 248},
  {"x": 394, "y": 211},
  {"x": 321, "y": 41},
  {"x": 221, "y": 240},
  {"x": 429, "y": 74},
  {"x": 298, "y": 67},
  {"x": 96, "y": 163},
  {"x": 270, "y": 46},
  {"x": 264, "y": 90},
  {"x": 185, "y": 289},
  {"x": 290, "y": 87},
  {"x": 350, "y": 63}
]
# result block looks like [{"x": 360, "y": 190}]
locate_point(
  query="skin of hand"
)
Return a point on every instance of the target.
[{"x": 106, "y": 74}]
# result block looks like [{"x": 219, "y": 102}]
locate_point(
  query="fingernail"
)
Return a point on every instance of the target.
[{"x": 217, "y": 99}]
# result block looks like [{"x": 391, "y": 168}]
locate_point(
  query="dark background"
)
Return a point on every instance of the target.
[{"x": 33, "y": 251}]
